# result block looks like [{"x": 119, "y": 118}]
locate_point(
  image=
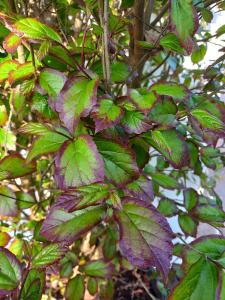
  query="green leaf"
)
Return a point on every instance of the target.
[
  {"x": 16, "y": 166},
  {"x": 220, "y": 30},
  {"x": 209, "y": 214},
  {"x": 120, "y": 165},
  {"x": 119, "y": 71},
  {"x": 145, "y": 235},
  {"x": 7, "y": 67},
  {"x": 35, "y": 128},
  {"x": 207, "y": 15},
  {"x": 33, "y": 286},
  {"x": 165, "y": 181},
  {"x": 199, "y": 54},
  {"x": 190, "y": 198},
  {"x": 171, "y": 42},
  {"x": 183, "y": 21},
  {"x": 75, "y": 288},
  {"x": 10, "y": 271},
  {"x": 60, "y": 226},
  {"x": 98, "y": 268},
  {"x": 78, "y": 163},
  {"x": 7, "y": 202},
  {"x": 207, "y": 120},
  {"x": 187, "y": 225},
  {"x": 44, "y": 49},
  {"x": 76, "y": 100},
  {"x": 32, "y": 28},
  {"x": 47, "y": 256},
  {"x": 167, "y": 207},
  {"x": 106, "y": 114},
  {"x": 135, "y": 122},
  {"x": 40, "y": 105},
  {"x": 169, "y": 89},
  {"x": 92, "y": 286},
  {"x": 211, "y": 246},
  {"x": 172, "y": 146},
  {"x": 11, "y": 43},
  {"x": 199, "y": 283},
  {"x": 22, "y": 72},
  {"x": 52, "y": 81},
  {"x": 48, "y": 143},
  {"x": 24, "y": 200},
  {"x": 143, "y": 100},
  {"x": 7, "y": 139}
]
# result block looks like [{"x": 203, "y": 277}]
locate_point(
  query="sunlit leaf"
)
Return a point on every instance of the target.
[{"x": 8, "y": 205}]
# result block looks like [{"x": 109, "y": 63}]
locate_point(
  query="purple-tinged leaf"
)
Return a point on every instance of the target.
[
  {"x": 98, "y": 268},
  {"x": 172, "y": 146},
  {"x": 48, "y": 255},
  {"x": 143, "y": 100},
  {"x": 78, "y": 163},
  {"x": 16, "y": 166},
  {"x": 82, "y": 197},
  {"x": 106, "y": 114},
  {"x": 184, "y": 21},
  {"x": 141, "y": 189},
  {"x": 146, "y": 238},
  {"x": 76, "y": 100},
  {"x": 135, "y": 122},
  {"x": 10, "y": 272},
  {"x": 6, "y": 67},
  {"x": 120, "y": 164},
  {"x": 52, "y": 81},
  {"x": 11, "y": 42},
  {"x": 8, "y": 205},
  {"x": 60, "y": 226}
]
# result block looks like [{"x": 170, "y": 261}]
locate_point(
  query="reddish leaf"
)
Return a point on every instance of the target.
[
  {"x": 6, "y": 68},
  {"x": 11, "y": 43},
  {"x": 145, "y": 235},
  {"x": 22, "y": 72},
  {"x": 135, "y": 122}
]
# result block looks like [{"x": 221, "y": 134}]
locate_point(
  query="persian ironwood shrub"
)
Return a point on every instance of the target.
[{"x": 105, "y": 136}]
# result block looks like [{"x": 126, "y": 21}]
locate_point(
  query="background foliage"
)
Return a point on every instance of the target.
[{"x": 105, "y": 136}]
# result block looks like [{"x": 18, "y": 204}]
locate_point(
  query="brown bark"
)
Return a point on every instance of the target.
[{"x": 137, "y": 34}]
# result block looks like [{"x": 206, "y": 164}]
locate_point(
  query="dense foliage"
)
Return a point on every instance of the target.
[{"x": 104, "y": 136}]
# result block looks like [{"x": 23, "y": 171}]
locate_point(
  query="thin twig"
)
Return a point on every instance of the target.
[{"x": 156, "y": 68}]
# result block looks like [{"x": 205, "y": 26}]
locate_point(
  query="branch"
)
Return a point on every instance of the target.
[
  {"x": 156, "y": 68},
  {"x": 137, "y": 34}
]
